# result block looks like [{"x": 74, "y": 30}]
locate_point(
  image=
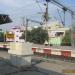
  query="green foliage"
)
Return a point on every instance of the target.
[
  {"x": 36, "y": 35},
  {"x": 39, "y": 35},
  {"x": 67, "y": 39},
  {"x": 1, "y": 37}
]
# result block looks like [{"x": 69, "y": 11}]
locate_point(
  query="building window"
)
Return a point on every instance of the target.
[
  {"x": 49, "y": 27},
  {"x": 59, "y": 34}
]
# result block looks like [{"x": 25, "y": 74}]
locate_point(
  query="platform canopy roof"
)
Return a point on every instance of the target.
[{"x": 4, "y": 19}]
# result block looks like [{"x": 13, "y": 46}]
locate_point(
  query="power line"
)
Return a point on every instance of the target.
[
  {"x": 60, "y": 16},
  {"x": 39, "y": 6}
]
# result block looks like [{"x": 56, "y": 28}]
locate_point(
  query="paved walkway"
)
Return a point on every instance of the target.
[
  {"x": 7, "y": 69},
  {"x": 42, "y": 68}
]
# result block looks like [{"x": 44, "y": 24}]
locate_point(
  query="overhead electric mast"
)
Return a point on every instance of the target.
[
  {"x": 66, "y": 9},
  {"x": 63, "y": 7}
]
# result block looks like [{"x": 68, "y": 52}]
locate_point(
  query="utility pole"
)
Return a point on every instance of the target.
[
  {"x": 72, "y": 31},
  {"x": 25, "y": 25},
  {"x": 46, "y": 17},
  {"x": 26, "y": 30}
]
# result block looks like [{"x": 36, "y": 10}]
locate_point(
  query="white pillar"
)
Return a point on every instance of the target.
[{"x": 20, "y": 53}]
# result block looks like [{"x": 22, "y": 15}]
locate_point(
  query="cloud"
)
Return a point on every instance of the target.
[
  {"x": 10, "y": 3},
  {"x": 18, "y": 8},
  {"x": 16, "y": 3}
]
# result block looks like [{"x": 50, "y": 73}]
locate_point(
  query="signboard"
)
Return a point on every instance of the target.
[
  {"x": 10, "y": 36},
  {"x": 4, "y": 19}
]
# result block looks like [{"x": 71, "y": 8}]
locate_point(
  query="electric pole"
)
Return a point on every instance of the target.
[
  {"x": 46, "y": 16},
  {"x": 26, "y": 30},
  {"x": 25, "y": 25},
  {"x": 73, "y": 31}
]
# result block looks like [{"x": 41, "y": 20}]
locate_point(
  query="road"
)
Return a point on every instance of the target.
[{"x": 42, "y": 68}]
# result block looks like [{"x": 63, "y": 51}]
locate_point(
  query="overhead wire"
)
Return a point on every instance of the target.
[
  {"x": 39, "y": 6},
  {"x": 60, "y": 16},
  {"x": 41, "y": 10}
]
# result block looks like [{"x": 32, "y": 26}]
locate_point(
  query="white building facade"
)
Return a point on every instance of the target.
[{"x": 17, "y": 33}]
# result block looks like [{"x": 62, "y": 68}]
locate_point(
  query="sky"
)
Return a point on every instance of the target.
[{"x": 17, "y": 9}]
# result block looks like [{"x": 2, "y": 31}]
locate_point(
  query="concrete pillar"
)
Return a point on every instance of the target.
[{"x": 20, "y": 53}]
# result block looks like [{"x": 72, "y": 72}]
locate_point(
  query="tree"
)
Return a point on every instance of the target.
[
  {"x": 36, "y": 35},
  {"x": 1, "y": 36},
  {"x": 39, "y": 35},
  {"x": 67, "y": 38}
]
